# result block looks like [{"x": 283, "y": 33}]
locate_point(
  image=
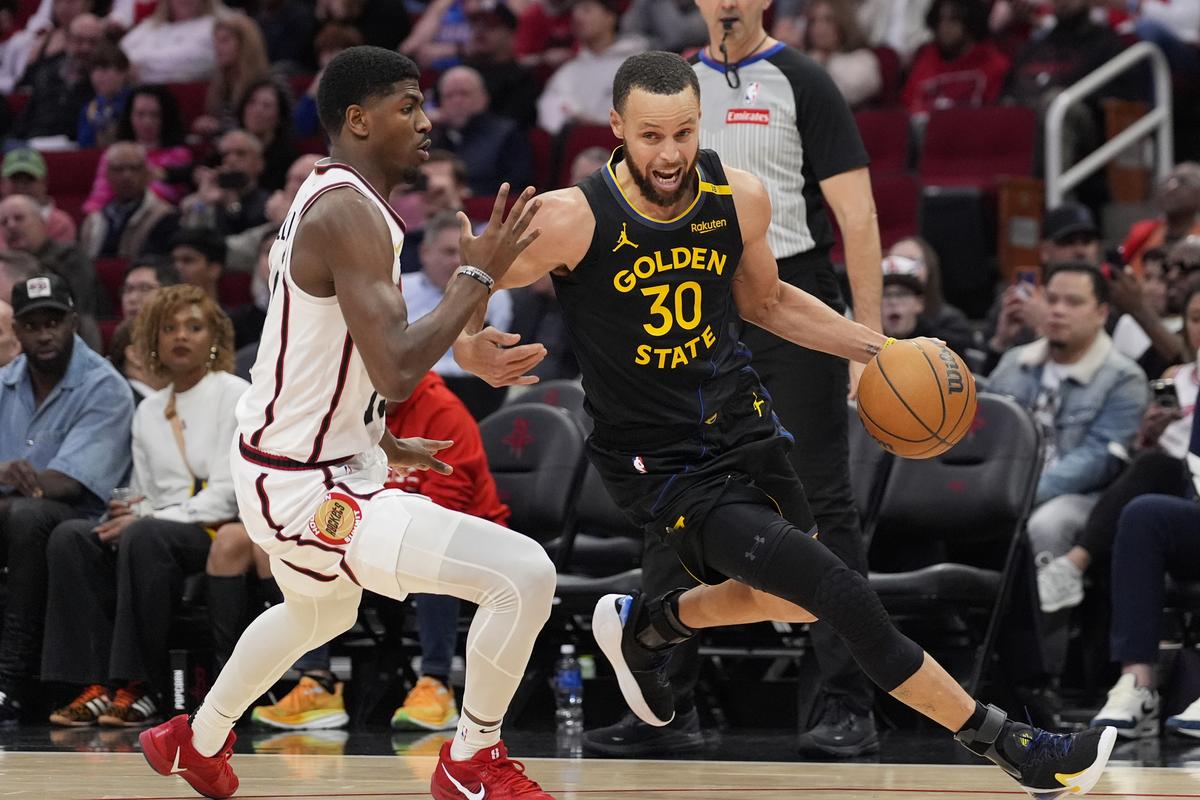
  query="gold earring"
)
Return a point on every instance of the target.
[{"x": 212, "y": 356}]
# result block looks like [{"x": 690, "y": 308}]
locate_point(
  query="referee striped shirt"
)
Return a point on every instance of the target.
[{"x": 787, "y": 124}]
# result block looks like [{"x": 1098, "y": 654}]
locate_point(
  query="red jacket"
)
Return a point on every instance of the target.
[
  {"x": 973, "y": 79},
  {"x": 434, "y": 412}
]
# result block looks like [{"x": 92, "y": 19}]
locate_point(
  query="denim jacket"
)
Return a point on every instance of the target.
[{"x": 1103, "y": 397}]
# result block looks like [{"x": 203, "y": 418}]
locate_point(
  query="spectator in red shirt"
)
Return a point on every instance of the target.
[
  {"x": 1178, "y": 198},
  {"x": 544, "y": 37},
  {"x": 959, "y": 67}
]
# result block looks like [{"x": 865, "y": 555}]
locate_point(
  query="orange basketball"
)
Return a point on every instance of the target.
[{"x": 917, "y": 398}]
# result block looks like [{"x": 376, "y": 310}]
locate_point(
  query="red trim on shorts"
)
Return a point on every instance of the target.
[
  {"x": 262, "y": 458},
  {"x": 269, "y": 416},
  {"x": 316, "y": 576},
  {"x": 358, "y": 496},
  {"x": 350, "y": 573},
  {"x": 296, "y": 539},
  {"x": 343, "y": 368},
  {"x": 326, "y": 164}
]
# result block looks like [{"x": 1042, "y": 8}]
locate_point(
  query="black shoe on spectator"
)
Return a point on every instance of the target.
[
  {"x": 840, "y": 731},
  {"x": 631, "y": 737},
  {"x": 10, "y": 708}
]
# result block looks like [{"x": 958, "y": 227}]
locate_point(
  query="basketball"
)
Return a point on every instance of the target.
[{"x": 917, "y": 398}]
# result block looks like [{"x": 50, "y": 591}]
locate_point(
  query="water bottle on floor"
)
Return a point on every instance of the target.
[{"x": 568, "y": 690}]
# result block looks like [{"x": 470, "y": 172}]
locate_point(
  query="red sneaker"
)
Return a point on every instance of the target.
[
  {"x": 168, "y": 749},
  {"x": 490, "y": 775}
]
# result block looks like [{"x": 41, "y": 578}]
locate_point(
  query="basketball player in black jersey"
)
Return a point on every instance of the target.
[{"x": 654, "y": 258}]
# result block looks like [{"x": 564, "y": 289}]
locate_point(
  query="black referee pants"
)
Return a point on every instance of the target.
[{"x": 809, "y": 393}]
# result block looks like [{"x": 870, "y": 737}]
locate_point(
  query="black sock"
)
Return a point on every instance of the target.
[
  {"x": 444, "y": 680},
  {"x": 328, "y": 683},
  {"x": 986, "y": 727}
]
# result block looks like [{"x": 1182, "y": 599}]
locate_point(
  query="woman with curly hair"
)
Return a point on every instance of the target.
[
  {"x": 241, "y": 57},
  {"x": 113, "y": 586}
]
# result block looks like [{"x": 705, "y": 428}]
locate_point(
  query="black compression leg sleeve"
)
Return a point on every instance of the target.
[{"x": 753, "y": 544}]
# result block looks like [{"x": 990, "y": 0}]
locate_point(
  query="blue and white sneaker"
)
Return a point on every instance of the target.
[
  {"x": 641, "y": 672},
  {"x": 1187, "y": 722}
]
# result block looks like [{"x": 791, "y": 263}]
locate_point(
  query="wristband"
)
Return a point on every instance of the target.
[{"x": 476, "y": 273}]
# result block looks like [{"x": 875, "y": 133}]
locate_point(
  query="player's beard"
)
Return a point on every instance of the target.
[{"x": 645, "y": 183}]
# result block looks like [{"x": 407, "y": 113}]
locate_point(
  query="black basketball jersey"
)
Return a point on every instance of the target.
[{"x": 650, "y": 310}]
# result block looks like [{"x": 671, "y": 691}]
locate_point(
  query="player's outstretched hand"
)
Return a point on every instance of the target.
[
  {"x": 416, "y": 453},
  {"x": 494, "y": 356},
  {"x": 505, "y": 238}
]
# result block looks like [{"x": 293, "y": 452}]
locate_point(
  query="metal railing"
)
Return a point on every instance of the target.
[{"x": 1058, "y": 182}]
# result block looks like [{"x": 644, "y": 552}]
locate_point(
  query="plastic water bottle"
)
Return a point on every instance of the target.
[{"x": 568, "y": 689}]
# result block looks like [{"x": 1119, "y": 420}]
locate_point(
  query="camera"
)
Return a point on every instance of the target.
[
  {"x": 1164, "y": 394},
  {"x": 234, "y": 181}
]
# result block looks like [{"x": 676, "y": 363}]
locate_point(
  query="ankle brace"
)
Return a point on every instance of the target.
[
  {"x": 979, "y": 736},
  {"x": 658, "y": 624}
]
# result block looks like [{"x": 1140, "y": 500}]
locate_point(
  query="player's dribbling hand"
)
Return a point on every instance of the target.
[
  {"x": 417, "y": 453},
  {"x": 504, "y": 238},
  {"x": 494, "y": 356}
]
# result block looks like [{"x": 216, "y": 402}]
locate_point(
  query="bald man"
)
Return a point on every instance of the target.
[
  {"x": 60, "y": 84},
  {"x": 494, "y": 148},
  {"x": 135, "y": 221}
]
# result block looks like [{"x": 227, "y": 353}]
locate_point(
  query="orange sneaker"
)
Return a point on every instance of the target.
[
  {"x": 84, "y": 710},
  {"x": 133, "y": 707},
  {"x": 309, "y": 706},
  {"x": 429, "y": 706}
]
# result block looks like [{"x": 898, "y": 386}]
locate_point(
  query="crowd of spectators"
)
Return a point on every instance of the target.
[{"x": 190, "y": 187}]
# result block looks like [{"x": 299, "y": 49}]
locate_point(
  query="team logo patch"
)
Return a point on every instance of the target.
[
  {"x": 748, "y": 116},
  {"x": 336, "y": 519},
  {"x": 751, "y": 95}
]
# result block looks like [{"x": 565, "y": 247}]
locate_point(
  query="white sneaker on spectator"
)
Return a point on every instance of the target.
[
  {"x": 1060, "y": 585},
  {"x": 1131, "y": 709},
  {"x": 1186, "y": 722}
]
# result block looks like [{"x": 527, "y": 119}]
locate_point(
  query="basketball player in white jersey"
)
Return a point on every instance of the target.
[{"x": 312, "y": 452}]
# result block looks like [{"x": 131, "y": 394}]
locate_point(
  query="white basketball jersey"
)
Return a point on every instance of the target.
[{"x": 310, "y": 398}]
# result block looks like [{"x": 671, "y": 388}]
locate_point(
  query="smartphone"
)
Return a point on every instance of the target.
[
  {"x": 235, "y": 181},
  {"x": 1164, "y": 394},
  {"x": 1026, "y": 281}
]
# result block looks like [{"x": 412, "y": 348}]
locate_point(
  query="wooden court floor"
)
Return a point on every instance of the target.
[{"x": 92, "y": 776}]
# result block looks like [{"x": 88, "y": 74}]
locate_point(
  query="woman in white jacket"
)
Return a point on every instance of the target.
[
  {"x": 113, "y": 586},
  {"x": 174, "y": 44}
]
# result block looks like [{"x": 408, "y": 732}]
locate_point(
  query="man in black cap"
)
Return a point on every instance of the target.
[{"x": 65, "y": 417}]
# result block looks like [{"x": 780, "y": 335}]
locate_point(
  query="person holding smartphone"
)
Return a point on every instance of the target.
[{"x": 229, "y": 197}]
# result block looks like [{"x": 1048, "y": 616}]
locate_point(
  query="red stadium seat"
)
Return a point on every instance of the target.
[
  {"x": 479, "y": 208},
  {"x": 111, "y": 274},
  {"x": 971, "y": 147},
  {"x": 17, "y": 101},
  {"x": 299, "y": 85},
  {"x": 890, "y": 70},
  {"x": 897, "y": 203},
  {"x": 315, "y": 145},
  {"x": 579, "y": 138},
  {"x": 885, "y": 135},
  {"x": 70, "y": 176},
  {"x": 190, "y": 97},
  {"x": 234, "y": 289}
]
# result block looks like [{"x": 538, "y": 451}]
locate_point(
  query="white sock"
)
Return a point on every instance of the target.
[
  {"x": 472, "y": 737},
  {"x": 210, "y": 729}
]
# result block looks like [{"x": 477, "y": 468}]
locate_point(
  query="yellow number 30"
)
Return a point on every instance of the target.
[{"x": 659, "y": 307}]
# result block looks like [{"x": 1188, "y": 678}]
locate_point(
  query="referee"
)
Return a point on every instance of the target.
[{"x": 772, "y": 111}]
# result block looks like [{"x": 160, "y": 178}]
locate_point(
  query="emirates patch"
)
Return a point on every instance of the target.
[
  {"x": 336, "y": 519},
  {"x": 748, "y": 116}
]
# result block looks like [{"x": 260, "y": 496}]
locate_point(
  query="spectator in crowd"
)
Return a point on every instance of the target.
[
  {"x": 494, "y": 148},
  {"x": 1049, "y": 63},
  {"x": 382, "y": 23},
  {"x": 580, "y": 92},
  {"x": 1157, "y": 467},
  {"x": 25, "y": 230},
  {"x": 65, "y": 415},
  {"x": 332, "y": 39},
  {"x": 248, "y": 320},
  {"x": 537, "y": 317},
  {"x": 432, "y": 411},
  {"x": 439, "y": 36},
  {"x": 833, "y": 39},
  {"x": 144, "y": 276},
  {"x": 960, "y": 67},
  {"x": 1069, "y": 233},
  {"x": 674, "y": 25},
  {"x": 175, "y": 43},
  {"x": 266, "y": 113},
  {"x": 15, "y": 267},
  {"x": 100, "y": 119},
  {"x": 1178, "y": 198},
  {"x": 229, "y": 197},
  {"x": 1157, "y": 536},
  {"x": 151, "y": 118},
  {"x": 24, "y": 172},
  {"x": 949, "y": 323},
  {"x": 903, "y": 304},
  {"x": 587, "y": 162},
  {"x": 198, "y": 255},
  {"x": 44, "y": 36},
  {"x": 135, "y": 221},
  {"x": 443, "y": 188},
  {"x": 898, "y": 24},
  {"x": 244, "y": 247},
  {"x": 119, "y": 609},
  {"x": 10, "y": 348},
  {"x": 60, "y": 86},
  {"x": 1087, "y": 398},
  {"x": 545, "y": 35},
  {"x": 424, "y": 290},
  {"x": 1173, "y": 25},
  {"x": 127, "y": 360},
  {"x": 241, "y": 60},
  {"x": 1151, "y": 310},
  {"x": 512, "y": 88},
  {"x": 288, "y": 27}
]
